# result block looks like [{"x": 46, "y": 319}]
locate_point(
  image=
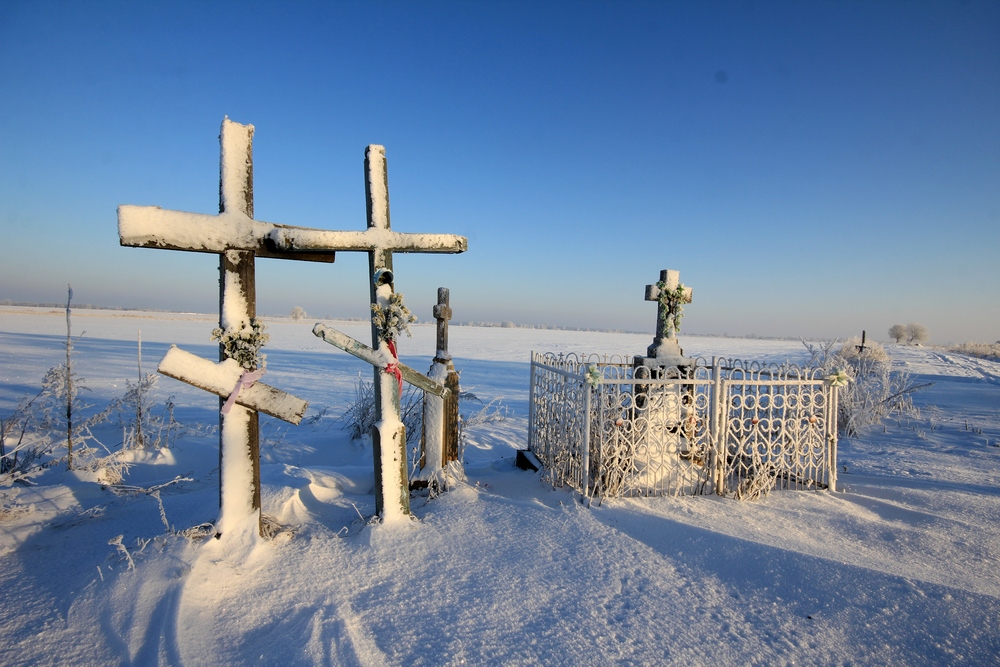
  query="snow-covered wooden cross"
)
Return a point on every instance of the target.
[
  {"x": 439, "y": 439},
  {"x": 237, "y": 238},
  {"x": 670, "y": 297},
  {"x": 379, "y": 241}
]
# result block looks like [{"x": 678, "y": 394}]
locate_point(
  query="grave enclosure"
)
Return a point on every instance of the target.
[{"x": 664, "y": 424}]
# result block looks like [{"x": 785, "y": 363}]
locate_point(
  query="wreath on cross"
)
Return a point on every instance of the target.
[
  {"x": 673, "y": 303},
  {"x": 243, "y": 343},
  {"x": 393, "y": 318}
]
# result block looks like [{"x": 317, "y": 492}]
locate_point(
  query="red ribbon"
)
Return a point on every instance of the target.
[
  {"x": 245, "y": 382},
  {"x": 392, "y": 368}
]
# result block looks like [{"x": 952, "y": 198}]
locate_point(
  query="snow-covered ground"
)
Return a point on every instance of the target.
[{"x": 901, "y": 567}]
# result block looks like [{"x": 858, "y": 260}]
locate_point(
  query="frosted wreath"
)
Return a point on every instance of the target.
[
  {"x": 243, "y": 343},
  {"x": 673, "y": 302},
  {"x": 393, "y": 318},
  {"x": 594, "y": 376},
  {"x": 839, "y": 379}
]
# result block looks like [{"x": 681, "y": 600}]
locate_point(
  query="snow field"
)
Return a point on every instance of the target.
[{"x": 900, "y": 568}]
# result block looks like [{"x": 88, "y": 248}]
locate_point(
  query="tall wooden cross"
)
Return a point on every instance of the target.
[
  {"x": 238, "y": 239},
  {"x": 665, "y": 340},
  {"x": 380, "y": 242}
]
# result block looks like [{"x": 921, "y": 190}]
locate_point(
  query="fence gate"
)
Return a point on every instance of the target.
[{"x": 610, "y": 430}]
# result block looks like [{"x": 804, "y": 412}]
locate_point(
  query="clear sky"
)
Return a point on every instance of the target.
[{"x": 811, "y": 168}]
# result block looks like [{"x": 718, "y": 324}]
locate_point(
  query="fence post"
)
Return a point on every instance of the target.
[
  {"x": 831, "y": 426},
  {"x": 585, "y": 455},
  {"x": 718, "y": 434},
  {"x": 531, "y": 406}
]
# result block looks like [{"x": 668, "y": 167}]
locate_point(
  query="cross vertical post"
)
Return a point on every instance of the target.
[
  {"x": 392, "y": 490},
  {"x": 442, "y": 313},
  {"x": 239, "y": 479}
]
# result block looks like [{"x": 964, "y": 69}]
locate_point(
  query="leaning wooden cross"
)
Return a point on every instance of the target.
[{"x": 379, "y": 241}]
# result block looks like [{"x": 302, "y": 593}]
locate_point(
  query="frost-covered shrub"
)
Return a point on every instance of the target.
[
  {"x": 981, "y": 350},
  {"x": 145, "y": 425},
  {"x": 359, "y": 418},
  {"x": 493, "y": 412},
  {"x": 875, "y": 390},
  {"x": 851, "y": 350},
  {"x": 59, "y": 413},
  {"x": 20, "y": 448}
]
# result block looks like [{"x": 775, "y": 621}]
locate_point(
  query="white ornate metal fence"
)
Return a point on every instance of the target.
[{"x": 609, "y": 429}]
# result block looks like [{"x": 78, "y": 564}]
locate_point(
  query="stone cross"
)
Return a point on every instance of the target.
[
  {"x": 237, "y": 238},
  {"x": 665, "y": 341}
]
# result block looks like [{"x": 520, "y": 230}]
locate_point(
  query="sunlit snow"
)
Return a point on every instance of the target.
[{"x": 901, "y": 567}]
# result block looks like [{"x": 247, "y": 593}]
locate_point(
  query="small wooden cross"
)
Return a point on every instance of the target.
[
  {"x": 439, "y": 438},
  {"x": 442, "y": 313},
  {"x": 665, "y": 339}
]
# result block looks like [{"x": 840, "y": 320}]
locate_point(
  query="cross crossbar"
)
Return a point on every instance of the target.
[
  {"x": 300, "y": 239},
  {"x": 155, "y": 227},
  {"x": 375, "y": 358},
  {"x": 220, "y": 378}
]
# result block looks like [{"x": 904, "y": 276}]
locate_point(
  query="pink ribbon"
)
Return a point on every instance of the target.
[
  {"x": 392, "y": 368},
  {"x": 245, "y": 382}
]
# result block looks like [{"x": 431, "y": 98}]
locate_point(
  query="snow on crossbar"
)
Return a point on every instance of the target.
[{"x": 220, "y": 379}]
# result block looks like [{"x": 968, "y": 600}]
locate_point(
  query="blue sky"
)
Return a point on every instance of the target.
[{"x": 811, "y": 168}]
